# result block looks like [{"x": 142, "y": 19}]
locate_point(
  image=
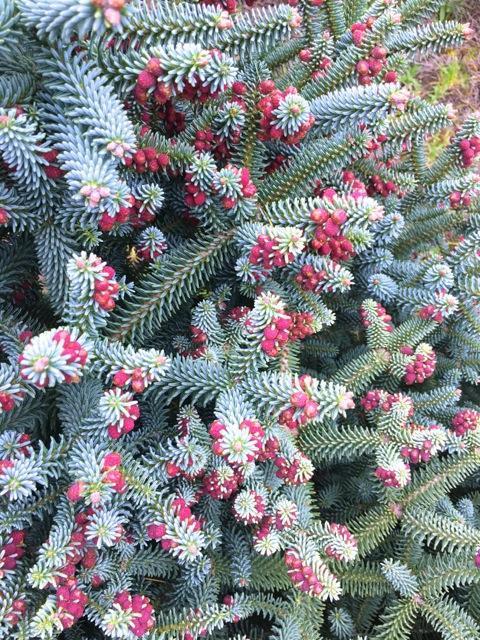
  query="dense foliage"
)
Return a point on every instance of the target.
[{"x": 239, "y": 324}]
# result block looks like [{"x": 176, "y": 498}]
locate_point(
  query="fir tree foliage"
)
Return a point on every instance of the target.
[{"x": 239, "y": 324}]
